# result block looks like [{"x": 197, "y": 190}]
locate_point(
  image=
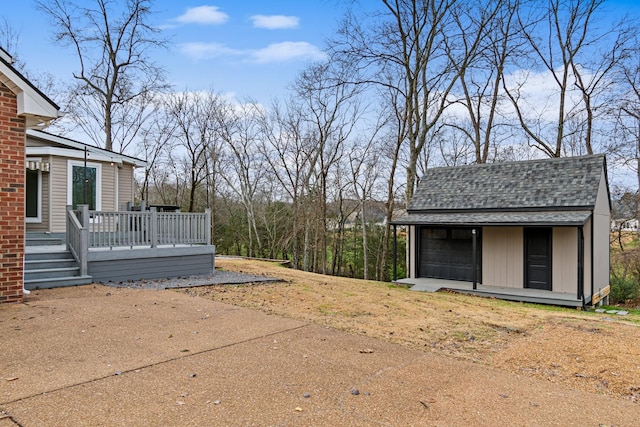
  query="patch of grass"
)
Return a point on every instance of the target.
[
  {"x": 327, "y": 310},
  {"x": 398, "y": 286}
]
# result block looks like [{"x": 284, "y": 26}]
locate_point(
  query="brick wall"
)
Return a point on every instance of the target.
[{"x": 12, "y": 178}]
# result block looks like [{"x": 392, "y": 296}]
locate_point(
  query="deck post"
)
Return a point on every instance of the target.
[
  {"x": 474, "y": 267},
  {"x": 83, "y": 250},
  {"x": 208, "y": 226},
  {"x": 153, "y": 228}
]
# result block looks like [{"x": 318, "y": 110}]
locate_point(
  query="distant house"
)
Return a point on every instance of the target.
[
  {"x": 630, "y": 225},
  {"x": 57, "y": 170},
  {"x": 533, "y": 231},
  {"x": 22, "y": 107}
]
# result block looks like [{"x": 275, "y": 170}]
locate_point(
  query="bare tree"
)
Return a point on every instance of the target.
[
  {"x": 238, "y": 125},
  {"x": 193, "y": 116},
  {"x": 627, "y": 126},
  {"x": 10, "y": 41},
  {"x": 289, "y": 153},
  {"x": 566, "y": 41},
  {"x": 363, "y": 162},
  {"x": 489, "y": 43},
  {"x": 116, "y": 75},
  {"x": 156, "y": 139},
  {"x": 332, "y": 112},
  {"x": 406, "y": 49},
  {"x": 43, "y": 80}
]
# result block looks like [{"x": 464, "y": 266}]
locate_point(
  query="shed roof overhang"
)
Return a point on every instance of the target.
[{"x": 529, "y": 219}]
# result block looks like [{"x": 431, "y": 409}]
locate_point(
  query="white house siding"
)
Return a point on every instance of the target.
[
  {"x": 502, "y": 257},
  {"x": 564, "y": 259},
  {"x": 601, "y": 221}
]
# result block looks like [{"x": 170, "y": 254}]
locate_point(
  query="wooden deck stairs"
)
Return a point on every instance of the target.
[{"x": 48, "y": 264}]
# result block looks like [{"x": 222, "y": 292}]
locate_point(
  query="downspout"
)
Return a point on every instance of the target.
[
  {"x": 395, "y": 253},
  {"x": 592, "y": 256},
  {"x": 580, "y": 295},
  {"x": 407, "y": 251},
  {"x": 474, "y": 261},
  {"x": 24, "y": 290}
]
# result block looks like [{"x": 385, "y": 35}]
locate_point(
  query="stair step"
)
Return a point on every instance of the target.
[
  {"x": 39, "y": 264},
  {"x": 31, "y": 284},
  {"x": 43, "y": 241},
  {"x": 33, "y": 238},
  {"x": 52, "y": 269},
  {"x": 47, "y": 273},
  {"x": 52, "y": 255}
]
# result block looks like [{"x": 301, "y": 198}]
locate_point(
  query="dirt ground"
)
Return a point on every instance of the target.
[{"x": 594, "y": 352}]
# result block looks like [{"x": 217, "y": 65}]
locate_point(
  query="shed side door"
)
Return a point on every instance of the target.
[{"x": 537, "y": 250}]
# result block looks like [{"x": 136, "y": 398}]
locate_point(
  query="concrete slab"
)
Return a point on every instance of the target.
[{"x": 96, "y": 356}]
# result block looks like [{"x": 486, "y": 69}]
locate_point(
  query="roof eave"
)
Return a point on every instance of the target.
[
  {"x": 35, "y": 106},
  {"x": 70, "y": 143}
]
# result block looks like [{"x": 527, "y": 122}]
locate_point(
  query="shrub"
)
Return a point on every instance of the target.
[
  {"x": 623, "y": 289},
  {"x": 625, "y": 275}
]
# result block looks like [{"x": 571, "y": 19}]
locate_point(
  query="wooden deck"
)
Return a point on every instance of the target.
[
  {"x": 123, "y": 263},
  {"x": 511, "y": 294}
]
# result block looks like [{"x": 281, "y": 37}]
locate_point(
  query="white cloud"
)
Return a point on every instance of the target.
[
  {"x": 275, "y": 22},
  {"x": 539, "y": 93},
  {"x": 199, "y": 50},
  {"x": 203, "y": 15},
  {"x": 277, "y": 52},
  {"x": 287, "y": 51}
]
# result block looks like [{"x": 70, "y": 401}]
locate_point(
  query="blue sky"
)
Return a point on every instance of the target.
[{"x": 248, "y": 48}]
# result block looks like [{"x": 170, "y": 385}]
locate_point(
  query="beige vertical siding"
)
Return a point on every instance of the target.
[
  {"x": 564, "y": 263},
  {"x": 58, "y": 194},
  {"x": 125, "y": 189},
  {"x": 503, "y": 257},
  {"x": 46, "y": 200},
  {"x": 108, "y": 201},
  {"x": 587, "y": 256},
  {"x": 411, "y": 258},
  {"x": 601, "y": 221}
]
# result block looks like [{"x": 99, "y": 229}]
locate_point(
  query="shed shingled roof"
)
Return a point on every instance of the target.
[{"x": 563, "y": 183}]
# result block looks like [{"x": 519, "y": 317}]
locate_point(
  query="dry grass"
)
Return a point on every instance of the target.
[{"x": 593, "y": 352}]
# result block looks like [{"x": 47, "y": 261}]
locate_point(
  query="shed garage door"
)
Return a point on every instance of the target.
[{"x": 446, "y": 253}]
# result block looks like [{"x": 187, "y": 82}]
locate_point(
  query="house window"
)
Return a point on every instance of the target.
[
  {"x": 84, "y": 184},
  {"x": 33, "y": 195}
]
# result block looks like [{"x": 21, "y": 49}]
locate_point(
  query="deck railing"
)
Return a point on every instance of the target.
[
  {"x": 143, "y": 229},
  {"x": 77, "y": 240}
]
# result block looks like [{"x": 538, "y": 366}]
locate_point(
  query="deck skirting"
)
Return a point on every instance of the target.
[{"x": 150, "y": 263}]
